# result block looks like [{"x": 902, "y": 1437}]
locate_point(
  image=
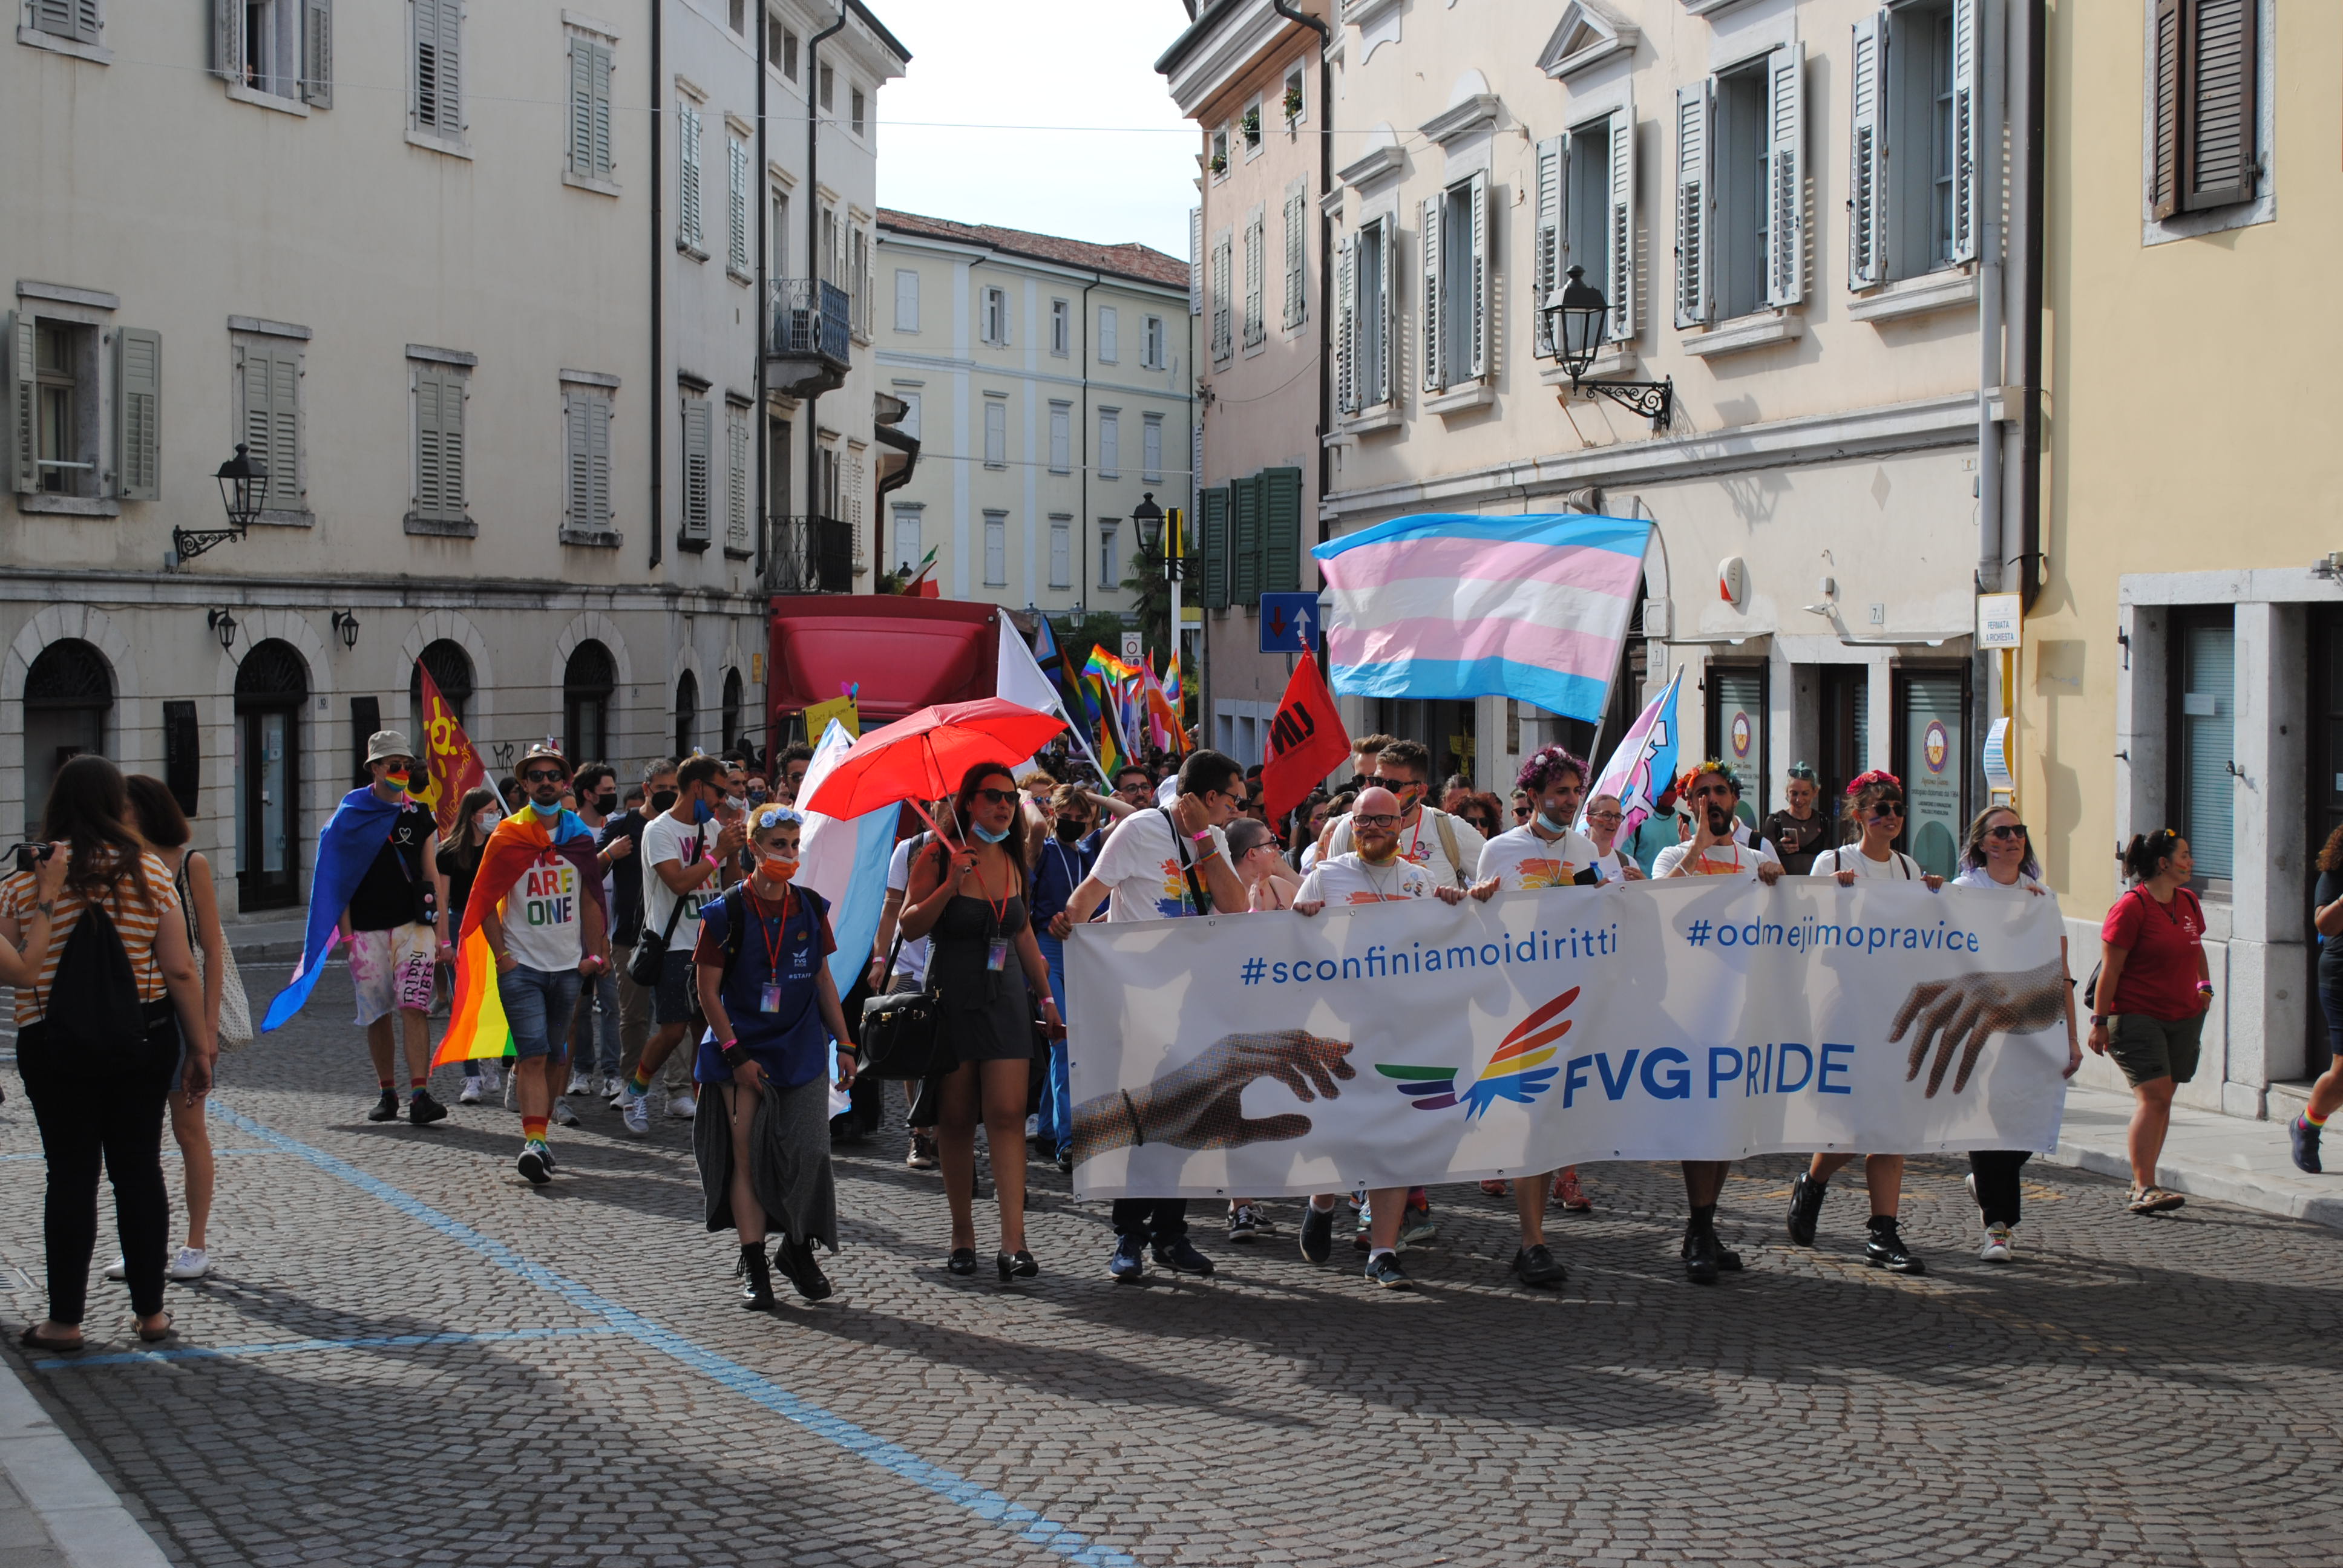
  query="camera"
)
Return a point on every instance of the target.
[{"x": 30, "y": 855}]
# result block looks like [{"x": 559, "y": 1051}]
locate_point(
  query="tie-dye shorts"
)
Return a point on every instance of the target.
[{"x": 393, "y": 968}]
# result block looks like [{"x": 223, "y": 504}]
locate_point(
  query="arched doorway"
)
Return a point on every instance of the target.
[
  {"x": 451, "y": 672},
  {"x": 686, "y": 715},
  {"x": 69, "y": 699},
  {"x": 272, "y": 686},
  {"x": 587, "y": 683},
  {"x": 731, "y": 707}
]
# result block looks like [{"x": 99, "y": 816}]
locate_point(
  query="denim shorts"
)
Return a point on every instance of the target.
[{"x": 537, "y": 1008}]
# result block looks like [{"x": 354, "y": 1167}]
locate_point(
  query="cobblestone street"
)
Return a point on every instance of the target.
[{"x": 407, "y": 1355}]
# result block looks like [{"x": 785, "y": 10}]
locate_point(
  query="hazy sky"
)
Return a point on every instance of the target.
[{"x": 1113, "y": 162}]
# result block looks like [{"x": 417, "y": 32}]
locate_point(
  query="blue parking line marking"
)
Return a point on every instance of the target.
[
  {"x": 280, "y": 1347},
  {"x": 980, "y": 1500}
]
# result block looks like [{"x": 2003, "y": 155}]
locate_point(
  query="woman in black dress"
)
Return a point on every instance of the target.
[{"x": 983, "y": 968}]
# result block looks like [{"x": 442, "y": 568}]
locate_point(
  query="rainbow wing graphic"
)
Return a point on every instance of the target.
[
  {"x": 1427, "y": 1088},
  {"x": 1518, "y": 1072}
]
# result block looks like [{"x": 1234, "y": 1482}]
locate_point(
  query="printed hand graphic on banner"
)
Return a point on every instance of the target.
[
  {"x": 1200, "y": 1105},
  {"x": 1961, "y": 1013}
]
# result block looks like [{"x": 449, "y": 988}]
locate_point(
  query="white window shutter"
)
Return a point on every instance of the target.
[
  {"x": 1547, "y": 260},
  {"x": 1435, "y": 366},
  {"x": 577, "y": 484},
  {"x": 1297, "y": 256},
  {"x": 1620, "y": 261},
  {"x": 429, "y": 489},
  {"x": 227, "y": 38},
  {"x": 1967, "y": 134},
  {"x": 1346, "y": 331},
  {"x": 581, "y": 106},
  {"x": 597, "y": 460},
  {"x": 1482, "y": 279},
  {"x": 451, "y": 445},
  {"x": 317, "y": 53},
  {"x": 1383, "y": 378},
  {"x": 907, "y": 300},
  {"x": 697, "y": 455},
  {"x": 1866, "y": 193},
  {"x": 1693, "y": 203},
  {"x": 138, "y": 412},
  {"x": 735, "y": 512},
  {"x": 737, "y": 202},
  {"x": 1195, "y": 261},
  {"x": 1786, "y": 171},
  {"x": 87, "y": 23},
  {"x": 285, "y": 486},
  {"x": 1256, "y": 239},
  {"x": 687, "y": 128},
  {"x": 452, "y": 118},
  {"x": 606, "y": 157},
  {"x": 24, "y": 415}
]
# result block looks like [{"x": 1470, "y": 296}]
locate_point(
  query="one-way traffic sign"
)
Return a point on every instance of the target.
[{"x": 1289, "y": 622}]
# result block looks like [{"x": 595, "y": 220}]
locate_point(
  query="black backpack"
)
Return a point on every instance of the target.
[{"x": 97, "y": 1029}]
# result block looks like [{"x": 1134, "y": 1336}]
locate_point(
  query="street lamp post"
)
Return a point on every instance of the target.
[
  {"x": 1575, "y": 314},
  {"x": 1148, "y": 520},
  {"x": 243, "y": 494}
]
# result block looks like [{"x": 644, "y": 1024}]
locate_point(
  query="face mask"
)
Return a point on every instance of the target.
[
  {"x": 662, "y": 801},
  {"x": 774, "y": 870},
  {"x": 395, "y": 781},
  {"x": 756, "y": 795},
  {"x": 486, "y": 822},
  {"x": 1072, "y": 832},
  {"x": 543, "y": 809},
  {"x": 1549, "y": 824},
  {"x": 988, "y": 834},
  {"x": 701, "y": 811},
  {"x": 606, "y": 804},
  {"x": 736, "y": 802}
]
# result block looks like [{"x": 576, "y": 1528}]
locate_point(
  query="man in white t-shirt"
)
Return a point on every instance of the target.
[
  {"x": 1707, "y": 793},
  {"x": 1375, "y": 872},
  {"x": 1445, "y": 846},
  {"x": 683, "y": 866},
  {"x": 1151, "y": 869}
]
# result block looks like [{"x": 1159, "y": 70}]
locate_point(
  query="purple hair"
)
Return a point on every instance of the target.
[{"x": 1541, "y": 769}]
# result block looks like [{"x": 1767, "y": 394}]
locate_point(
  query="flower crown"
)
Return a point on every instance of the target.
[{"x": 1876, "y": 775}]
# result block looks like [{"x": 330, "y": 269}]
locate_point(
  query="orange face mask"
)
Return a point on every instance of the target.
[{"x": 776, "y": 870}]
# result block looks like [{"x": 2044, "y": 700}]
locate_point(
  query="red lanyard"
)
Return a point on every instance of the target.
[{"x": 780, "y": 930}]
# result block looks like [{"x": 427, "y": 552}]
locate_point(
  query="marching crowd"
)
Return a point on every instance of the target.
[{"x": 697, "y": 972}]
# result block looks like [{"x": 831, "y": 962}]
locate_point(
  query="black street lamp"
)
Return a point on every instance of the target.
[
  {"x": 1575, "y": 314},
  {"x": 223, "y": 626},
  {"x": 244, "y": 492},
  {"x": 346, "y": 623}
]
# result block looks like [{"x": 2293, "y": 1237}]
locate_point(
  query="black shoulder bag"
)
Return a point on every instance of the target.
[
  {"x": 650, "y": 951},
  {"x": 1203, "y": 900},
  {"x": 899, "y": 1037}
]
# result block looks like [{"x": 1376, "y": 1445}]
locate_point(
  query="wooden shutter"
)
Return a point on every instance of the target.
[
  {"x": 736, "y": 174},
  {"x": 87, "y": 22},
  {"x": 597, "y": 460},
  {"x": 1785, "y": 176},
  {"x": 1866, "y": 193},
  {"x": 24, "y": 405},
  {"x": 318, "y": 54},
  {"x": 1245, "y": 541},
  {"x": 736, "y": 519},
  {"x": 1281, "y": 570},
  {"x": 2219, "y": 62},
  {"x": 272, "y": 420},
  {"x": 425, "y": 14},
  {"x": 687, "y": 123},
  {"x": 1256, "y": 241},
  {"x": 1620, "y": 261},
  {"x": 1968, "y": 134},
  {"x": 581, "y": 106},
  {"x": 1692, "y": 202},
  {"x": 1297, "y": 254},
  {"x": 1346, "y": 332},
  {"x": 1212, "y": 513},
  {"x": 2164, "y": 117},
  {"x": 1195, "y": 261},
  {"x": 698, "y": 452},
  {"x": 577, "y": 417},
  {"x": 605, "y": 160},
  {"x": 138, "y": 413},
  {"x": 1477, "y": 365},
  {"x": 451, "y": 89},
  {"x": 1435, "y": 365},
  {"x": 227, "y": 38},
  {"x": 1548, "y": 243},
  {"x": 1382, "y": 380},
  {"x": 430, "y": 481}
]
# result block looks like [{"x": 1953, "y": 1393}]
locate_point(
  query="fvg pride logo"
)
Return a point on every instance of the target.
[{"x": 1516, "y": 1071}]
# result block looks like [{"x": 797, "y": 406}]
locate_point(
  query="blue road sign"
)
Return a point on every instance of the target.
[{"x": 1289, "y": 622}]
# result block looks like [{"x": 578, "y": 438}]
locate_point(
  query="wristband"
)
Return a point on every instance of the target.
[
  {"x": 735, "y": 1054},
  {"x": 2100, "y": 1019},
  {"x": 2203, "y": 988},
  {"x": 1204, "y": 837}
]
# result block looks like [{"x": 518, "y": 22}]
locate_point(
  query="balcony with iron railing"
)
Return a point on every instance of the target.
[
  {"x": 809, "y": 342},
  {"x": 812, "y": 554}
]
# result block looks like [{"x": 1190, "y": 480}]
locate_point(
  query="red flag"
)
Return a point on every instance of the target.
[
  {"x": 1306, "y": 740},
  {"x": 450, "y": 764}
]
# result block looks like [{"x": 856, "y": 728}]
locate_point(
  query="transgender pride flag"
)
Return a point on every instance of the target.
[{"x": 1447, "y": 606}]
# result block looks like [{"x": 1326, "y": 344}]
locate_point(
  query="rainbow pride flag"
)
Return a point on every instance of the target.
[{"x": 477, "y": 1028}]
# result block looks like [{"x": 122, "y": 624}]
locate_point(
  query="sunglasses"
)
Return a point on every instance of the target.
[
  {"x": 1606, "y": 816},
  {"x": 1521, "y": 813},
  {"x": 1886, "y": 809},
  {"x": 2007, "y": 831},
  {"x": 1401, "y": 786},
  {"x": 1378, "y": 820},
  {"x": 541, "y": 776},
  {"x": 998, "y": 796}
]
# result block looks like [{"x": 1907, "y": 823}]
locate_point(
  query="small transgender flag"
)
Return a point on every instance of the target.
[{"x": 1446, "y": 605}]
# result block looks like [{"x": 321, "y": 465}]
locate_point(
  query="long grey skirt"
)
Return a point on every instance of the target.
[{"x": 788, "y": 1159}]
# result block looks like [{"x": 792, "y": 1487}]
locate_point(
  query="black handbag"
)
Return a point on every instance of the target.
[
  {"x": 650, "y": 957},
  {"x": 899, "y": 1037}
]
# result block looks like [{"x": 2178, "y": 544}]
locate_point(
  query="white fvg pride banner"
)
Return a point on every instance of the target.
[{"x": 1270, "y": 1054}]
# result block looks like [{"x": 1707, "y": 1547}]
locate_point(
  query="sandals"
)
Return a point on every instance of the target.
[
  {"x": 2154, "y": 1199},
  {"x": 34, "y": 1339},
  {"x": 156, "y": 1335}
]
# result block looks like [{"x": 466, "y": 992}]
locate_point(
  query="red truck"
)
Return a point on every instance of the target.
[{"x": 903, "y": 653}]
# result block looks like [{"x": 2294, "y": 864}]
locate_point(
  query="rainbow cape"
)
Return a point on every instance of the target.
[
  {"x": 347, "y": 846},
  {"x": 476, "y": 1030}
]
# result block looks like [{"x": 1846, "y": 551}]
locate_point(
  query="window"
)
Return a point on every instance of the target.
[
  {"x": 1912, "y": 181},
  {"x": 439, "y": 493},
  {"x": 137, "y": 414},
  {"x": 736, "y": 476},
  {"x": 1248, "y": 127},
  {"x": 1456, "y": 284},
  {"x": 1741, "y": 190},
  {"x": 996, "y": 433},
  {"x": 1062, "y": 437},
  {"x": 591, "y": 61},
  {"x": 739, "y": 18},
  {"x": 588, "y": 680},
  {"x": 827, "y": 78},
  {"x": 1294, "y": 102},
  {"x": 781, "y": 48},
  {"x": 906, "y": 538},
  {"x": 1110, "y": 452},
  {"x": 855, "y": 106},
  {"x": 1364, "y": 324},
  {"x": 1061, "y": 328},
  {"x": 1255, "y": 237},
  {"x": 1297, "y": 256},
  {"x": 687, "y": 714},
  {"x": 2204, "y": 67},
  {"x": 828, "y": 262},
  {"x": 699, "y": 454},
  {"x": 1249, "y": 537},
  {"x": 1061, "y": 550},
  {"x": 1151, "y": 352},
  {"x": 268, "y": 400},
  {"x": 1218, "y": 160},
  {"x": 68, "y": 702},
  {"x": 1586, "y": 219},
  {"x": 585, "y": 462},
  {"x": 780, "y": 252},
  {"x": 438, "y": 67},
  {"x": 282, "y": 48},
  {"x": 993, "y": 326},
  {"x": 76, "y": 21},
  {"x": 1222, "y": 265},
  {"x": 62, "y": 369},
  {"x": 907, "y": 300},
  {"x": 858, "y": 283},
  {"x": 1151, "y": 448},
  {"x": 736, "y": 206},
  {"x": 268, "y": 58},
  {"x": 687, "y": 233},
  {"x": 1109, "y": 530},
  {"x": 910, "y": 423},
  {"x": 1109, "y": 343},
  {"x": 2204, "y": 725},
  {"x": 1929, "y": 750},
  {"x": 996, "y": 550}
]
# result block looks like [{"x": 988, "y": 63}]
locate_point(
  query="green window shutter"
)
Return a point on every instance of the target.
[
  {"x": 1244, "y": 588},
  {"x": 137, "y": 407},
  {"x": 253, "y": 422},
  {"x": 698, "y": 442},
  {"x": 581, "y": 107},
  {"x": 318, "y": 54},
  {"x": 24, "y": 439},
  {"x": 578, "y": 483},
  {"x": 598, "y": 461},
  {"x": 227, "y": 39},
  {"x": 87, "y": 23},
  {"x": 1212, "y": 515},
  {"x": 285, "y": 486},
  {"x": 430, "y": 504},
  {"x": 1280, "y": 530},
  {"x": 451, "y": 440},
  {"x": 606, "y": 161}
]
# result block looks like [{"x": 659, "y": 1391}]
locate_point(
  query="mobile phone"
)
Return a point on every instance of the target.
[{"x": 29, "y": 854}]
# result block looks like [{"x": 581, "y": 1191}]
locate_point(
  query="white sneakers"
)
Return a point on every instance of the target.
[
  {"x": 683, "y": 1107},
  {"x": 187, "y": 1263},
  {"x": 581, "y": 1083},
  {"x": 471, "y": 1092},
  {"x": 635, "y": 1112},
  {"x": 562, "y": 1115},
  {"x": 492, "y": 1078},
  {"x": 1996, "y": 1245}
]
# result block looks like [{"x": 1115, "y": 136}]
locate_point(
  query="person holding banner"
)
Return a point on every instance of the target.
[
  {"x": 1161, "y": 864},
  {"x": 1797, "y": 830},
  {"x": 1604, "y": 818},
  {"x": 1874, "y": 810},
  {"x": 1449, "y": 851}
]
